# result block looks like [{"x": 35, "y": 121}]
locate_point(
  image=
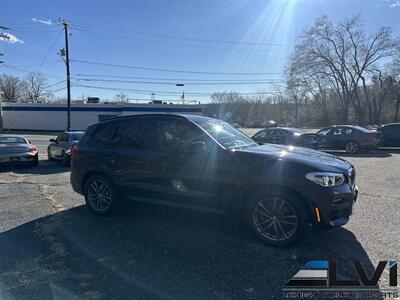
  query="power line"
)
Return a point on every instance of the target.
[
  {"x": 167, "y": 70},
  {"x": 18, "y": 69},
  {"x": 163, "y": 78},
  {"x": 51, "y": 92},
  {"x": 48, "y": 51},
  {"x": 164, "y": 92},
  {"x": 174, "y": 83},
  {"x": 193, "y": 39},
  {"x": 54, "y": 84},
  {"x": 35, "y": 65},
  {"x": 163, "y": 42}
]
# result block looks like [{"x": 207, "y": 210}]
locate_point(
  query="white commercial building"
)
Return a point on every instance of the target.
[{"x": 22, "y": 116}]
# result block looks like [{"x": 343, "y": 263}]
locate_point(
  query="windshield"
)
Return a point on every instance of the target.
[
  {"x": 76, "y": 136},
  {"x": 12, "y": 140},
  {"x": 225, "y": 134}
]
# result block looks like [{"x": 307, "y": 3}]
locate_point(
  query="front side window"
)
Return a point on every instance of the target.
[
  {"x": 176, "y": 135},
  {"x": 324, "y": 132},
  {"x": 225, "y": 134},
  {"x": 261, "y": 134}
]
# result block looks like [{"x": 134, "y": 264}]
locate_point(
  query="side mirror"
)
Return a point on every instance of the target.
[
  {"x": 197, "y": 146},
  {"x": 52, "y": 141}
]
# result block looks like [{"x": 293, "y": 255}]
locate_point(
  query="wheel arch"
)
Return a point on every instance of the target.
[
  {"x": 90, "y": 174},
  {"x": 241, "y": 202}
]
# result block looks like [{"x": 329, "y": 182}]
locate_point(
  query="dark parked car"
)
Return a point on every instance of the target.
[
  {"x": 353, "y": 139},
  {"x": 286, "y": 136},
  {"x": 390, "y": 135},
  {"x": 16, "y": 149},
  {"x": 60, "y": 148},
  {"x": 204, "y": 163}
]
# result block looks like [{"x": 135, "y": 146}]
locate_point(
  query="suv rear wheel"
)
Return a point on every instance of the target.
[
  {"x": 99, "y": 195},
  {"x": 277, "y": 220}
]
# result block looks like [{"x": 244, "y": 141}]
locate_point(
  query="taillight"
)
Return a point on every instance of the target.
[
  {"x": 32, "y": 149},
  {"x": 74, "y": 150}
]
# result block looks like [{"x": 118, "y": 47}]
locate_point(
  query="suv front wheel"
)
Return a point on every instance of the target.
[
  {"x": 100, "y": 196},
  {"x": 277, "y": 220}
]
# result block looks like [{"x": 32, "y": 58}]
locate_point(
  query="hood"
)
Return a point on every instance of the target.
[{"x": 317, "y": 159}]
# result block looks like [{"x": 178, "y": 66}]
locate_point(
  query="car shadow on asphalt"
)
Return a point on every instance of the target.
[
  {"x": 150, "y": 252},
  {"x": 45, "y": 167}
]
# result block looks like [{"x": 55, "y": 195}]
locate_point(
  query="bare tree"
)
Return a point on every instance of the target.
[
  {"x": 339, "y": 56},
  {"x": 35, "y": 87},
  {"x": 122, "y": 97},
  {"x": 12, "y": 88}
]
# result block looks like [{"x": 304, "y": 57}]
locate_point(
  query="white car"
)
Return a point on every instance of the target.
[{"x": 16, "y": 149}]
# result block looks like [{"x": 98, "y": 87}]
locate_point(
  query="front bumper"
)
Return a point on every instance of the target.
[{"x": 335, "y": 209}]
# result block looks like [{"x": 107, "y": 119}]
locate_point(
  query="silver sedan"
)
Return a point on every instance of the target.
[{"x": 16, "y": 149}]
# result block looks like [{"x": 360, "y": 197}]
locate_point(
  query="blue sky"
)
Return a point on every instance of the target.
[{"x": 214, "y": 36}]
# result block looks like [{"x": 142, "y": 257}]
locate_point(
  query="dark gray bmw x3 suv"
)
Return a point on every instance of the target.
[{"x": 200, "y": 162}]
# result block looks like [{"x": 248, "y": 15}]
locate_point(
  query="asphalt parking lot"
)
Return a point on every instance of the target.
[{"x": 52, "y": 248}]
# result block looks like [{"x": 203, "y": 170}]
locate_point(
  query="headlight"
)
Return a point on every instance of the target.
[{"x": 326, "y": 178}]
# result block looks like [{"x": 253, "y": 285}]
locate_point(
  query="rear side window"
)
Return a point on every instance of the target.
[
  {"x": 76, "y": 136},
  {"x": 349, "y": 131},
  {"x": 337, "y": 131},
  {"x": 62, "y": 138},
  {"x": 104, "y": 134},
  {"x": 136, "y": 133}
]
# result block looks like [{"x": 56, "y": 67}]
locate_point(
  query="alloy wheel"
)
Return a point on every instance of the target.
[
  {"x": 351, "y": 147},
  {"x": 99, "y": 195},
  {"x": 275, "y": 219}
]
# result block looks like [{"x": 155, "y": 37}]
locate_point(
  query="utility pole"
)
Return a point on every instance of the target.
[
  {"x": 4, "y": 36},
  {"x": 66, "y": 53}
]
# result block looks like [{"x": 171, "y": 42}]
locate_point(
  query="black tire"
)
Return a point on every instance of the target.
[
  {"x": 108, "y": 197},
  {"x": 352, "y": 147},
  {"x": 49, "y": 156},
  {"x": 277, "y": 231},
  {"x": 66, "y": 160},
  {"x": 35, "y": 163}
]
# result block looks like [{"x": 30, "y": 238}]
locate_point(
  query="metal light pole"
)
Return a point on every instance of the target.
[{"x": 183, "y": 92}]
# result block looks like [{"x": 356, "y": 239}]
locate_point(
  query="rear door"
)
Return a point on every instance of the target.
[{"x": 138, "y": 164}]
